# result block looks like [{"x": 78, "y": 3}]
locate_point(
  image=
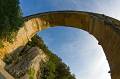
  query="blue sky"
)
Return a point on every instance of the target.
[
  {"x": 79, "y": 50},
  {"x": 76, "y": 47}
]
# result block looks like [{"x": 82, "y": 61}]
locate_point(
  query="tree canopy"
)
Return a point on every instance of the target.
[{"x": 10, "y": 18}]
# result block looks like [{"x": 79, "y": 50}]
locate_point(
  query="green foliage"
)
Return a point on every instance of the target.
[
  {"x": 10, "y": 18},
  {"x": 31, "y": 73},
  {"x": 12, "y": 57},
  {"x": 1, "y": 45},
  {"x": 54, "y": 68},
  {"x": 47, "y": 70}
]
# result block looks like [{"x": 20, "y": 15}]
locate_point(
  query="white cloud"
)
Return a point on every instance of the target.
[
  {"x": 107, "y": 7},
  {"x": 84, "y": 56},
  {"x": 88, "y": 59},
  {"x": 97, "y": 68}
]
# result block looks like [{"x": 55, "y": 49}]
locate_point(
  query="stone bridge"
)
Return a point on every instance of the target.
[{"x": 104, "y": 28}]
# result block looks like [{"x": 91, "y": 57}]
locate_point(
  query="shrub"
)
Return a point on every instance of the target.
[{"x": 54, "y": 68}]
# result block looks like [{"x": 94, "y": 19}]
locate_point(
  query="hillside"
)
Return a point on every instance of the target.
[
  {"x": 54, "y": 68},
  {"x": 31, "y": 61},
  {"x": 36, "y": 61}
]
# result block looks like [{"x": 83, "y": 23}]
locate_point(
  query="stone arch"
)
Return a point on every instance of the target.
[{"x": 104, "y": 28}]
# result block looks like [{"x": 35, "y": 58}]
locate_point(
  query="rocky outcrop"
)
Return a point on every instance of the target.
[
  {"x": 3, "y": 73},
  {"x": 36, "y": 61},
  {"x": 26, "y": 64}
]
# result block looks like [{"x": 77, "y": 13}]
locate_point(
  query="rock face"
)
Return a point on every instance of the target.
[
  {"x": 104, "y": 28},
  {"x": 3, "y": 73},
  {"x": 26, "y": 64}
]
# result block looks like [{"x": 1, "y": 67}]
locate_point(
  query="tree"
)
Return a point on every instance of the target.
[
  {"x": 10, "y": 17},
  {"x": 54, "y": 68}
]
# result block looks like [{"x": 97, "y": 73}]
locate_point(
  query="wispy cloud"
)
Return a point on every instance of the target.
[
  {"x": 107, "y": 7},
  {"x": 90, "y": 58},
  {"x": 80, "y": 51},
  {"x": 90, "y": 63}
]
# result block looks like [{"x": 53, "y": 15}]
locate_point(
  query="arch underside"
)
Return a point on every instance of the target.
[{"x": 104, "y": 28}]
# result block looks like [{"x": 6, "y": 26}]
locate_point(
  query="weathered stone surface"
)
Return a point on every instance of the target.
[
  {"x": 27, "y": 64},
  {"x": 104, "y": 28},
  {"x": 3, "y": 73}
]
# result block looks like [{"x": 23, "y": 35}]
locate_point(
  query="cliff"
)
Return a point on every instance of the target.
[
  {"x": 25, "y": 62},
  {"x": 35, "y": 61}
]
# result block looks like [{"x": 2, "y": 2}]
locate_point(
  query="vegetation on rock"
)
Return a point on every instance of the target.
[
  {"x": 31, "y": 73},
  {"x": 54, "y": 68},
  {"x": 10, "y": 19}
]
